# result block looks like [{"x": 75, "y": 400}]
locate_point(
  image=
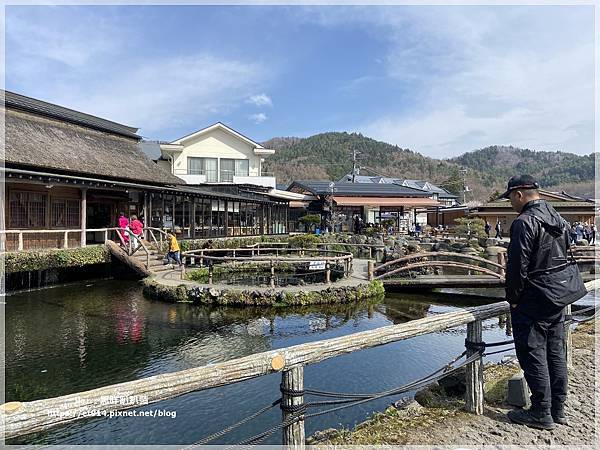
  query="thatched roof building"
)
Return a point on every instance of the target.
[{"x": 41, "y": 135}]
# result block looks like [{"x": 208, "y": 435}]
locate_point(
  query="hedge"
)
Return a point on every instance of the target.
[{"x": 51, "y": 259}]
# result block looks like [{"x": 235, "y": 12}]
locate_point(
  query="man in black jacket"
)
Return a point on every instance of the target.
[{"x": 537, "y": 262}]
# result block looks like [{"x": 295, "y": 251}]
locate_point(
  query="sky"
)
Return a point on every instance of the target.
[{"x": 440, "y": 80}]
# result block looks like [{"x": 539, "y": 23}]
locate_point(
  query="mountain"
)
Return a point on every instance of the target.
[{"x": 328, "y": 156}]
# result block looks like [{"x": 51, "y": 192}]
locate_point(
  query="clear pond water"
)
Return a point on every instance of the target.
[{"x": 79, "y": 337}]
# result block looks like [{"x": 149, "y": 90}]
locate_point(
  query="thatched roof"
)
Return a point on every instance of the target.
[
  {"x": 33, "y": 140},
  {"x": 22, "y": 102}
]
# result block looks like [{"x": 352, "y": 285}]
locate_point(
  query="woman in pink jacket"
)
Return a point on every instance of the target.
[
  {"x": 124, "y": 225},
  {"x": 136, "y": 226}
]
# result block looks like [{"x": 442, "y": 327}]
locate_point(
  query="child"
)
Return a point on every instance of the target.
[{"x": 174, "y": 251}]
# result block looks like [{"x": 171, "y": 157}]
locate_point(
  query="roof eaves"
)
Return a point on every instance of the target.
[{"x": 42, "y": 108}]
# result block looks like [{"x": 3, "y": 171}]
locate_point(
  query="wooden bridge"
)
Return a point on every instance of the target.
[{"x": 439, "y": 270}]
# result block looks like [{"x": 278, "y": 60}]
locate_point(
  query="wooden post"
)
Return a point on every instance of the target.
[
  {"x": 293, "y": 379},
  {"x": 502, "y": 262},
  {"x": 83, "y": 217},
  {"x": 210, "y": 272},
  {"x": 370, "y": 269},
  {"x": 370, "y": 252},
  {"x": 105, "y": 235},
  {"x": 20, "y": 247},
  {"x": 182, "y": 271},
  {"x": 66, "y": 240},
  {"x": 272, "y": 274},
  {"x": 474, "y": 375},
  {"x": 327, "y": 272},
  {"x": 568, "y": 339}
]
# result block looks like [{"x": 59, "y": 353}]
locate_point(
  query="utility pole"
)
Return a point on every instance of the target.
[
  {"x": 354, "y": 168},
  {"x": 465, "y": 187}
]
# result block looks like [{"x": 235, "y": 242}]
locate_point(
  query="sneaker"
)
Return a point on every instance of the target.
[
  {"x": 531, "y": 419},
  {"x": 558, "y": 416}
]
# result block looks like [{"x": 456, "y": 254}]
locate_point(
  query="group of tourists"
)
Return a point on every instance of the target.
[
  {"x": 498, "y": 228},
  {"x": 581, "y": 231},
  {"x": 132, "y": 230}
]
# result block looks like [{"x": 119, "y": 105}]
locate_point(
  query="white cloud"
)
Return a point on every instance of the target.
[
  {"x": 258, "y": 118},
  {"x": 260, "y": 100},
  {"x": 480, "y": 76},
  {"x": 90, "y": 67}
]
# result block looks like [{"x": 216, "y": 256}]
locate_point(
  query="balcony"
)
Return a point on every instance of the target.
[{"x": 263, "y": 180}]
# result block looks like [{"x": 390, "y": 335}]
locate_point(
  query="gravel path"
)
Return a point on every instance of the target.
[{"x": 493, "y": 428}]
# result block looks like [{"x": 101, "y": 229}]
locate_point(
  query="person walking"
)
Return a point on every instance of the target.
[
  {"x": 487, "y": 228},
  {"x": 593, "y": 234},
  {"x": 540, "y": 282},
  {"x": 124, "y": 225},
  {"x": 498, "y": 229},
  {"x": 136, "y": 226},
  {"x": 174, "y": 250},
  {"x": 579, "y": 231}
]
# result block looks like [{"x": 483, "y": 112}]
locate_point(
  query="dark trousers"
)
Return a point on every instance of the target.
[
  {"x": 540, "y": 348},
  {"x": 175, "y": 256}
]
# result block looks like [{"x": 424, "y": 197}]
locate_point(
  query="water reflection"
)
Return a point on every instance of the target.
[{"x": 75, "y": 338}]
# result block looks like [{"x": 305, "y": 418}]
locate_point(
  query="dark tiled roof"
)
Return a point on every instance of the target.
[
  {"x": 359, "y": 189},
  {"x": 18, "y": 101}
]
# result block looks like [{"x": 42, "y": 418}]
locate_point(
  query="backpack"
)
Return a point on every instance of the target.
[{"x": 560, "y": 285}]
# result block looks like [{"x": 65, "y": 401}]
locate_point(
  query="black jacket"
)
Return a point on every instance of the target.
[{"x": 539, "y": 242}]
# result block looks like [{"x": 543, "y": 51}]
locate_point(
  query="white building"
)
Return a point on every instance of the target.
[{"x": 217, "y": 154}]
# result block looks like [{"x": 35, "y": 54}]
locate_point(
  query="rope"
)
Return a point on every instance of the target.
[
  {"x": 224, "y": 431},
  {"x": 348, "y": 400},
  {"x": 471, "y": 345}
]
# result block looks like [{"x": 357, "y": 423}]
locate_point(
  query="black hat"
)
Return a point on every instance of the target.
[{"x": 520, "y": 182}]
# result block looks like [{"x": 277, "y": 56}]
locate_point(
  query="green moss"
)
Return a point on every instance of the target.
[
  {"x": 51, "y": 259},
  {"x": 277, "y": 298}
]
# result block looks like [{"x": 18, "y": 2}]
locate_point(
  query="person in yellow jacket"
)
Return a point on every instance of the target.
[{"x": 174, "y": 250}]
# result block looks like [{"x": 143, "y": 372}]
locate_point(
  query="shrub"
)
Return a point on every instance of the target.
[
  {"x": 52, "y": 259},
  {"x": 470, "y": 226},
  {"x": 304, "y": 241},
  {"x": 310, "y": 220}
]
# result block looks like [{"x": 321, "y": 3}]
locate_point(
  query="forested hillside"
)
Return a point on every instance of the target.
[{"x": 329, "y": 156}]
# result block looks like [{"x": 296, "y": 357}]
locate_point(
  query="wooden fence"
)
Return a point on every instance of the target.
[{"x": 18, "y": 418}]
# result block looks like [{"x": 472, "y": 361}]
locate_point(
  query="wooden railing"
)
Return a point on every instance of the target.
[
  {"x": 20, "y": 418},
  {"x": 428, "y": 259},
  {"x": 267, "y": 256}
]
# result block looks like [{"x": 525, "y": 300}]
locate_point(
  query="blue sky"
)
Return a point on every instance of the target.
[{"x": 440, "y": 80}]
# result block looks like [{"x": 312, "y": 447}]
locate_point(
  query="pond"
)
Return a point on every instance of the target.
[{"x": 73, "y": 338}]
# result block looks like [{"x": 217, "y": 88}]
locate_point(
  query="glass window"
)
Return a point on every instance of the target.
[
  {"x": 28, "y": 210},
  {"x": 64, "y": 213},
  {"x": 242, "y": 167},
  {"x": 231, "y": 167},
  {"x": 227, "y": 169},
  {"x": 203, "y": 166}
]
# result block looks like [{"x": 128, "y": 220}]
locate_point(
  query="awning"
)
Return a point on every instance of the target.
[
  {"x": 385, "y": 201},
  {"x": 298, "y": 204}
]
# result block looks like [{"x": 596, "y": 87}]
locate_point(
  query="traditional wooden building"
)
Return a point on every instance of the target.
[
  {"x": 571, "y": 208},
  {"x": 373, "y": 202},
  {"x": 67, "y": 173}
]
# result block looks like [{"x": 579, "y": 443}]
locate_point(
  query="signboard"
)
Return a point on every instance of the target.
[{"x": 316, "y": 265}]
